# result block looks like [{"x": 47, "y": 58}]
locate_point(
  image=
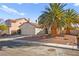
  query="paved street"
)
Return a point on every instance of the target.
[
  {"x": 19, "y": 48},
  {"x": 28, "y": 51},
  {"x": 36, "y": 50}
]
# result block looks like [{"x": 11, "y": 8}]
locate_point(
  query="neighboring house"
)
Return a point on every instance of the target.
[
  {"x": 0, "y": 32},
  {"x": 13, "y": 25},
  {"x": 74, "y": 32},
  {"x": 75, "y": 25},
  {"x": 30, "y": 28}
]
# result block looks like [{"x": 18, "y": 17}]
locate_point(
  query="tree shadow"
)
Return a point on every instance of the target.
[{"x": 14, "y": 43}]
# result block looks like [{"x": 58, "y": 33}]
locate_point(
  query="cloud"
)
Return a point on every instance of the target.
[
  {"x": 22, "y": 14},
  {"x": 20, "y": 3},
  {"x": 10, "y": 10},
  {"x": 76, "y": 4},
  {"x": 35, "y": 3}
]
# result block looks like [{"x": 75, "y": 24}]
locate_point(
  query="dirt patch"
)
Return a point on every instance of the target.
[
  {"x": 67, "y": 39},
  {"x": 51, "y": 49}
]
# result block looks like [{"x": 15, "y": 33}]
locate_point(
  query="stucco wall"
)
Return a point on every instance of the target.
[
  {"x": 27, "y": 29},
  {"x": 39, "y": 31},
  {"x": 15, "y": 26}
]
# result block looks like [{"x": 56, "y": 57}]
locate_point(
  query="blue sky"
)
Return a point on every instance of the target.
[{"x": 28, "y": 10}]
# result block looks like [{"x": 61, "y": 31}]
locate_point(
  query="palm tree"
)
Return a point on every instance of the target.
[
  {"x": 52, "y": 17},
  {"x": 70, "y": 18}
]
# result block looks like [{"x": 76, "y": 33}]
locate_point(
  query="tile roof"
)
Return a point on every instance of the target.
[{"x": 15, "y": 20}]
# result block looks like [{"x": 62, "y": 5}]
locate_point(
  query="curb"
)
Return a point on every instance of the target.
[{"x": 9, "y": 39}]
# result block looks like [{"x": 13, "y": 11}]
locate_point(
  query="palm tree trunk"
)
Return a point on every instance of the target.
[
  {"x": 67, "y": 30},
  {"x": 54, "y": 31}
]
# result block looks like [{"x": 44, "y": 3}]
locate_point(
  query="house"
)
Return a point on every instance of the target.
[
  {"x": 0, "y": 32},
  {"x": 74, "y": 31},
  {"x": 13, "y": 24},
  {"x": 29, "y": 28}
]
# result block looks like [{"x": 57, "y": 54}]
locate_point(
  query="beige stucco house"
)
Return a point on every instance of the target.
[
  {"x": 13, "y": 24},
  {"x": 30, "y": 28}
]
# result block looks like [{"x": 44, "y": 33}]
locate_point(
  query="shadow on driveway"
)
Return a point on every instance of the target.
[{"x": 14, "y": 43}]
